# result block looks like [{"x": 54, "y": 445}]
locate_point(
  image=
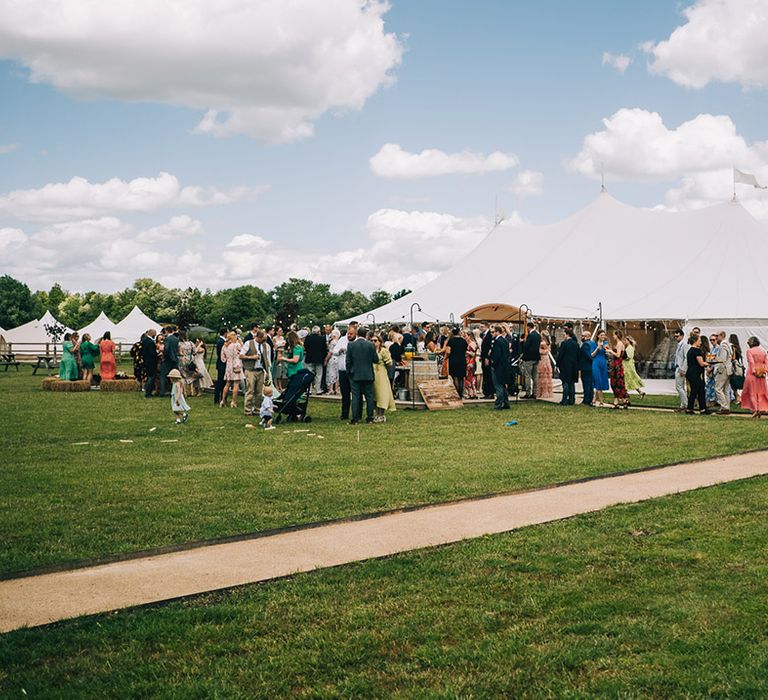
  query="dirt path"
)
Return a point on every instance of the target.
[{"x": 38, "y": 600}]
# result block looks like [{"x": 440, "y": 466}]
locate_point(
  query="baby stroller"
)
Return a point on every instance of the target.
[{"x": 292, "y": 403}]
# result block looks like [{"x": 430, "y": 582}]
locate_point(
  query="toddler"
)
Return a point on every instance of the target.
[
  {"x": 179, "y": 405},
  {"x": 267, "y": 407}
]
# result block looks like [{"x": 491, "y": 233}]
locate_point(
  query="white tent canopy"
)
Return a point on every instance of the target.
[
  {"x": 32, "y": 338},
  {"x": 129, "y": 330},
  {"x": 640, "y": 263},
  {"x": 96, "y": 328}
]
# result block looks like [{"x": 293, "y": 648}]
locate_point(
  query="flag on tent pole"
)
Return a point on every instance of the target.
[{"x": 746, "y": 179}]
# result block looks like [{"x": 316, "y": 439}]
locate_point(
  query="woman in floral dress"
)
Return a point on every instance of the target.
[
  {"x": 470, "y": 388},
  {"x": 230, "y": 355},
  {"x": 617, "y": 356},
  {"x": 544, "y": 388}
]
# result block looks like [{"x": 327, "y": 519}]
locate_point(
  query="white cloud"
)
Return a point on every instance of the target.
[
  {"x": 637, "y": 145},
  {"x": 9, "y": 148},
  {"x": 721, "y": 40},
  {"x": 80, "y": 199},
  {"x": 619, "y": 62},
  {"x": 11, "y": 239},
  {"x": 266, "y": 69},
  {"x": 178, "y": 227},
  {"x": 528, "y": 183},
  {"x": 394, "y": 163},
  {"x": 400, "y": 249}
]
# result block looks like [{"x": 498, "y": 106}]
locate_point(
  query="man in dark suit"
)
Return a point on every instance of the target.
[
  {"x": 499, "y": 367},
  {"x": 251, "y": 334},
  {"x": 585, "y": 368},
  {"x": 531, "y": 357},
  {"x": 361, "y": 356},
  {"x": 568, "y": 364},
  {"x": 485, "y": 359},
  {"x": 221, "y": 367},
  {"x": 149, "y": 355},
  {"x": 515, "y": 350},
  {"x": 170, "y": 357}
]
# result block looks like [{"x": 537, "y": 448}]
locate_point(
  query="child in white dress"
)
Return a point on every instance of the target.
[
  {"x": 179, "y": 404},
  {"x": 267, "y": 409}
]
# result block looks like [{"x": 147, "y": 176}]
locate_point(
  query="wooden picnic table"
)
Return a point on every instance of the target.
[
  {"x": 8, "y": 359},
  {"x": 49, "y": 361}
]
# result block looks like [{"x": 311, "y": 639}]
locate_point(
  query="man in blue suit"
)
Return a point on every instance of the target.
[
  {"x": 568, "y": 364},
  {"x": 499, "y": 366}
]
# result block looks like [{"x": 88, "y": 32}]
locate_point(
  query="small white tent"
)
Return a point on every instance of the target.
[
  {"x": 32, "y": 338},
  {"x": 129, "y": 330},
  {"x": 98, "y": 327},
  {"x": 702, "y": 267}
]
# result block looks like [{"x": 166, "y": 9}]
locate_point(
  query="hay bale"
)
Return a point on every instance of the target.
[
  {"x": 119, "y": 385},
  {"x": 65, "y": 385}
]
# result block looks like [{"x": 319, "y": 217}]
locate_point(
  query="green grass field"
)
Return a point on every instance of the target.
[
  {"x": 661, "y": 599},
  {"x": 212, "y": 477}
]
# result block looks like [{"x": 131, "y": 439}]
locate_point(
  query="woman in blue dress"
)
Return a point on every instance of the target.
[{"x": 600, "y": 368}]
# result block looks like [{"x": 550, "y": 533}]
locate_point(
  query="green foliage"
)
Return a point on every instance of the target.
[
  {"x": 296, "y": 301},
  {"x": 16, "y": 303},
  {"x": 400, "y": 294}
]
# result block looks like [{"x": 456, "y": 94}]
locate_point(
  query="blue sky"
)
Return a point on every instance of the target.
[{"x": 522, "y": 79}]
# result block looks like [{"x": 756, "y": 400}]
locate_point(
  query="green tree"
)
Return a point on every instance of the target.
[
  {"x": 379, "y": 298},
  {"x": 350, "y": 304},
  {"x": 302, "y": 301},
  {"x": 400, "y": 294},
  {"x": 16, "y": 303},
  {"x": 56, "y": 297},
  {"x": 238, "y": 306}
]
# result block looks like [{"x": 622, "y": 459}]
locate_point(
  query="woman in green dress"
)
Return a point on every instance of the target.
[
  {"x": 293, "y": 355},
  {"x": 632, "y": 379},
  {"x": 88, "y": 353},
  {"x": 68, "y": 368},
  {"x": 382, "y": 387}
]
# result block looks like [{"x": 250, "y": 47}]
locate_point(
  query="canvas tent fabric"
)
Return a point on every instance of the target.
[
  {"x": 129, "y": 330},
  {"x": 100, "y": 325},
  {"x": 641, "y": 264},
  {"x": 31, "y": 338}
]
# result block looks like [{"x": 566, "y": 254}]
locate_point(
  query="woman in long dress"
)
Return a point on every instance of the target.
[
  {"x": 278, "y": 367},
  {"x": 470, "y": 388},
  {"x": 754, "y": 396},
  {"x": 332, "y": 368},
  {"x": 187, "y": 365},
  {"x": 616, "y": 371},
  {"x": 107, "y": 351},
  {"x": 600, "y": 367},
  {"x": 737, "y": 378},
  {"x": 205, "y": 381},
  {"x": 230, "y": 355},
  {"x": 68, "y": 368},
  {"x": 544, "y": 388},
  {"x": 382, "y": 387},
  {"x": 709, "y": 348},
  {"x": 632, "y": 379}
]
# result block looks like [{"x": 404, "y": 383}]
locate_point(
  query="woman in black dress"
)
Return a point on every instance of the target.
[
  {"x": 456, "y": 351},
  {"x": 695, "y": 375}
]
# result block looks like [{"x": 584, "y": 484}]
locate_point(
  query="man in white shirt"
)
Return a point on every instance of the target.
[
  {"x": 681, "y": 365},
  {"x": 723, "y": 371},
  {"x": 340, "y": 350},
  {"x": 257, "y": 361}
]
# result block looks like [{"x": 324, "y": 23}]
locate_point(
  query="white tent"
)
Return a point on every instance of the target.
[
  {"x": 31, "y": 338},
  {"x": 639, "y": 263},
  {"x": 98, "y": 327},
  {"x": 129, "y": 330}
]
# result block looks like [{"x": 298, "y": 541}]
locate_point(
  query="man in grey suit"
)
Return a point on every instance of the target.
[{"x": 361, "y": 356}]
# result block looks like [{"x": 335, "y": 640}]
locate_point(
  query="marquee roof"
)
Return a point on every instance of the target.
[
  {"x": 98, "y": 327},
  {"x": 129, "y": 330},
  {"x": 640, "y": 263}
]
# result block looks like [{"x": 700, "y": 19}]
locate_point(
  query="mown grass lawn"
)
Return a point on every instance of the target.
[
  {"x": 660, "y": 599},
  {"x": 213, "y": 477}
]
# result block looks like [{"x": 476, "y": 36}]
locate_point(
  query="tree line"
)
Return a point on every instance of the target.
[{"x": 298, "y": 301}]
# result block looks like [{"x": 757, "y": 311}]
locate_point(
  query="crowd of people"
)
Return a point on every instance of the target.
[{"x": 489, "y": 361}]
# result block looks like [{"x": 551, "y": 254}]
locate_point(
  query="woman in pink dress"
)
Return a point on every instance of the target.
[
  {"x": 544, "y": 373},
  {"x": 230, "y": 355},
  {"x": 107, "y": 352},
  {"x": 754, "y": 396}
]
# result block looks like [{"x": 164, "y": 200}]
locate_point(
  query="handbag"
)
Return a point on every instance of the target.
[
  {"x": 760, "y": 372},
  {"x": 737, "y": 368}
]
